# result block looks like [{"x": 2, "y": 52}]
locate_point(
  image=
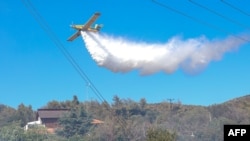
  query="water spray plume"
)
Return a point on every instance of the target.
[{"x": 121, "y": 55}]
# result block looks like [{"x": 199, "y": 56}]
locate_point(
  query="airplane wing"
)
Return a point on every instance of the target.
[
  {"x": 75, "y": 35},
  {"x": 85, "y": 27},
  {"x": 91, "y": 20}
]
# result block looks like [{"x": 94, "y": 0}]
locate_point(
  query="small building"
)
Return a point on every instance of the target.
[{"x": 49, "y": 117}]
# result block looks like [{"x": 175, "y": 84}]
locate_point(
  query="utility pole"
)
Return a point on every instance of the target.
[{"x": 170, "y": 103}]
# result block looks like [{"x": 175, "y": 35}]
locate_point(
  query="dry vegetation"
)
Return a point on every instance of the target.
[{"x": 125, "y": 119}]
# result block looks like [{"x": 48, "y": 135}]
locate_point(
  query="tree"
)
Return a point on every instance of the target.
[
  {"x": 75, "y": 101},
  {"x": 25, "y": 114},
  {"x": 160, "y": 135},
  {"x": 75, "y": 123},
  {"x": 7, "y": 115},
  {"x": 14, "y": 132},
  {"x": 143, "y": 103},
  {"x": 53, "y": 105},
  {"x": 117, "y": 102}
]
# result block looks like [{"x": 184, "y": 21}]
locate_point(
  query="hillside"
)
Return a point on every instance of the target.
[{"x": 126, "y": 119}]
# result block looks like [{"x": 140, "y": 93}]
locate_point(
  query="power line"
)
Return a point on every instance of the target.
[
  {"x": 61, "y": 47},
  {"x": 198, "y": 20},
  {"x": 218, "y": 14},
  {"x": 67, "y": 55},
  {"x": 234, "y": 7}
]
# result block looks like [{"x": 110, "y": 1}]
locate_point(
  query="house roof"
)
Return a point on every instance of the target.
[{"x": 51, "y": 113}]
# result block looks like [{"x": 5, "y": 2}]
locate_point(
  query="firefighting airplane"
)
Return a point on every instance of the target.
[{"x": 86, "y": 27}]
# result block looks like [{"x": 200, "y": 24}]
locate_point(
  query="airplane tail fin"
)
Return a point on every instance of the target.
[{"x": 98, "y": 26}]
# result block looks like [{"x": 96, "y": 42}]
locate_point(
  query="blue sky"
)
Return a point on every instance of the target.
[{"x": 34, "y": 71}]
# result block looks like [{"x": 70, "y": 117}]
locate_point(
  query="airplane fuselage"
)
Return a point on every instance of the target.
[
  {"x": 86, "y": 27},
  {"x": 82, "y": 28}
]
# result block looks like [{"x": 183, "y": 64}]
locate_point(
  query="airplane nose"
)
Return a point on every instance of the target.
[{"x": 72, "y": 24}]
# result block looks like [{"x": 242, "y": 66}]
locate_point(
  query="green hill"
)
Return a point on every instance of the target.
[{"x": 125, "y": 119}]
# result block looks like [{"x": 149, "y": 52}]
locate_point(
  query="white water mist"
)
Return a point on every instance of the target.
[{"x": 122, "y": 55}]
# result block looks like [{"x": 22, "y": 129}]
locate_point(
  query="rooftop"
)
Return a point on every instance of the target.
[{"x": 51, "y": 113}]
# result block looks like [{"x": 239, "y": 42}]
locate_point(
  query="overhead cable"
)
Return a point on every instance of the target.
[
  {"x": 218, "y": 14},
  {"x": 67, "y": 55},
  {"x": 234, "y": 7},
  {"x": 61, "y": 47},
  {"x": 198, "y": 20}
]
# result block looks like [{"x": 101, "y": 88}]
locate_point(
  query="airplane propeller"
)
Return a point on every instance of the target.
[{"x": 71, "y": 25}]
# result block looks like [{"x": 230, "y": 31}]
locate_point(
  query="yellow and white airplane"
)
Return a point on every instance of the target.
[{"x": 86, "y": 27}]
